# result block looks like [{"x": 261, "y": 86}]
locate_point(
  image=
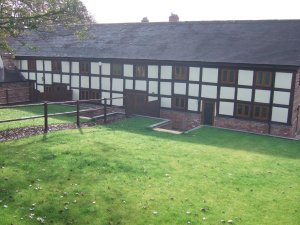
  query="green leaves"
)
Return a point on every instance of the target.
[{"x": 18, "y": 16}]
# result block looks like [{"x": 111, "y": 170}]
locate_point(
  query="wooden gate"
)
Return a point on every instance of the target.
[{"x": 136, "y": 102}]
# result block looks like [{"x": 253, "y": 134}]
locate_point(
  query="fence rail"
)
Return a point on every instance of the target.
[{"x": 47, "y": 114}]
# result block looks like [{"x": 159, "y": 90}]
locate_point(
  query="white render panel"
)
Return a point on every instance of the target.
[
  {"x": 65, "y": 79},
  {"x": 39, "y": 65},
  {"x": 31, "y": 76},
  {"x": 25, "y": 75},
  {"x": 39, "y": 78},
  {"x": 152, "y": 98},
  {"x": 128, "y": 70},
  {"x": 40, "y": 88},
  {"x": 18, "y": 64},
  {"x": 75, "y": 67},
  {"x": 105, "y": 95},
  {"x": 283, "y": 80},
  {"x": 180, "y": 88},
  {"x": 65, "y": 67},
  {"x": 153, "y": 87},
  {"x": 48, "y": 66},
  {"x": 95, "y": 68},
  {"x": 165, "y": 88},
  {"x": 244, "y": 94},
  {"x": 95, "y": 82},
  {"x": 75, "y": 94},
  {"x": 245, "y": 77},
  {"x": 280, "y": 114},
  {"x": 152, "y": 71},
  {"x": 209, "y": 91},
  {"x": 105, "y": 83},
  {"x": 166, "y": 72},
  {"x": 281, "y": 97},
  {"x": 56, "y": 78},
  {"x": 24, "y": 64},
  {"x": 117, "y": 102},
  {"x": 48, "y": 78},
  {"x": 105, "y": 68},
  {"x": 227, "y": 92},
  {"x": 166, "y": 102},
  {"x": 75, "y": 81},
  {"x": 192, "y": 104},
  {"x": 262, "y": 96},
  {"x": 140, "y": 85},
  {"x": 194, "y": 90},
  {"x": 85, "y": 82},
  {"x": 226, "y": 108},
  {"x": 194, "y": 74},
  {"x": 129, "y": 84},
  {"x": 117, "y": 84},
  {"x": 210, "y": 75}
]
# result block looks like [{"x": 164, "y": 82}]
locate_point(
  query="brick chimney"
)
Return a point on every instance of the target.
[
  {"x": 173, "y": 18},
  {"x": 145, "y": 20}
]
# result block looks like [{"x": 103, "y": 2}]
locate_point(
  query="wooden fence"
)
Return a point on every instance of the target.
[{"x": 77, "y": 112}]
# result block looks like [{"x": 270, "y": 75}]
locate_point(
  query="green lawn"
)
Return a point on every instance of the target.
[
  {"x": 14, "y": 113},
  {"x": 125, "y": 173}
]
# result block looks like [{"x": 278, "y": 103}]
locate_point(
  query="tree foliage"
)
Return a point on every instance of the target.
[{"x": 19, "y": 16}]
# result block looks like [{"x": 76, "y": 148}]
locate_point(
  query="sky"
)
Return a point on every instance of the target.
[{"x": 121, "y": 11}]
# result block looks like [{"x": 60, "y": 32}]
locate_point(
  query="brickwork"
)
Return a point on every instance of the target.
[
  {"x": 181, "y": 120},
  {"x": 245, "y": 125},
  {"x": 255, "y": 127},
  {"x": 296, "y": 104},
  {"x": 186, "y": 120},
  {"x": 17, "y": 92}
]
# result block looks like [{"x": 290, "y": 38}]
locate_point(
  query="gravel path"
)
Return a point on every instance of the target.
[{"x": 22, "y": 132}]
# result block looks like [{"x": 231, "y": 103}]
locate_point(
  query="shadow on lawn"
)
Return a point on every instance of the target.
[{"x": 218, "y": 138}]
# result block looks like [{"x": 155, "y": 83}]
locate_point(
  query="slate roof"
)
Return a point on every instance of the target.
[{"x": 271, "y": 42}]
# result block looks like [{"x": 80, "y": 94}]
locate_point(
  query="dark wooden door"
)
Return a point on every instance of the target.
[
  {"x": 208, "y": 113},
  {"x": 136, "y": 102}
]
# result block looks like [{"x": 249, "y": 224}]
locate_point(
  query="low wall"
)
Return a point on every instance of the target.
[
  {"x": 181, "y": 120},
  {"x": 14, "y": 92}
]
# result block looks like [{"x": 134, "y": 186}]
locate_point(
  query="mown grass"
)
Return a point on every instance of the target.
[
  {"x": 28, "y": 111},
  {"x": 125, "y": 173}
]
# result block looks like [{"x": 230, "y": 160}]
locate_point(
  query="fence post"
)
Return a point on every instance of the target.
[
  {"x": 77, "y": 114},
  {"x": 105, "y": 101},
  {"x": 46, "y": 117},
  {"x": 6, "y": 93}
]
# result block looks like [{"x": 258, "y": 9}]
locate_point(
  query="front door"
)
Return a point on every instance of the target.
[{"x": 208, "y": 112}]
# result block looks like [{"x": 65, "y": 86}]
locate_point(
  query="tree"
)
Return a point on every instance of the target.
[{"x": 19, "y": 16}]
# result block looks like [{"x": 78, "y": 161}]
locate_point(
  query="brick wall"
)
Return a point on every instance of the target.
[
  {"x": 296, "y": 103},
  {"x": 17, "y": 92},
  {"x": 245, "y": 125},
  {"x": 254, "y": 126},
  {"x": 181, "y": 120}
]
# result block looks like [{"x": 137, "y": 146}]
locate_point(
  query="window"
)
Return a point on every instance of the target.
[
  {"x": 116, "y": 69},
  {"x": 243, "y": 110},
  {"x": 140, "y": 71},
  {"x": 94, "y": 94},
  {"x": 56, "y": 66},
  {"x": 228, "y": 76},
  {"x": 260, "y": 112},
  {"x": 32, "y": 65},
  {"x": 263, "y": 78},
  {"x": 48, "y": 89},
  {"x": 180, "y": 72},
  {"x": 84, "y": 94},
  {"x": 179, "y": 103},
  {"x": 84, "y": 67}
]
